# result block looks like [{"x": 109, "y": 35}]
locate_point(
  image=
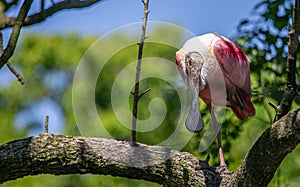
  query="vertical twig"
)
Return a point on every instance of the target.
[
  {"x": 46, "y": 124},
  {"x": 42, "y": 5},
  {"x": 136, "y": 96},
  {"x": 1, "y": 42},
  {"x": 291, "y": 88}
]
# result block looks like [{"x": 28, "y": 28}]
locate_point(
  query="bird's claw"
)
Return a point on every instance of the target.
[{"x": 203, "y": 164}]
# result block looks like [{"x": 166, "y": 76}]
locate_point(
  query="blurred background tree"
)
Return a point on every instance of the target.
[{"x": 48, "y": 63}]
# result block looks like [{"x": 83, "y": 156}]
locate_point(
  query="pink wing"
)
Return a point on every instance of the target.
[
  {"x": 234, "y": 63},
  {"x": 235, "y": 66}
]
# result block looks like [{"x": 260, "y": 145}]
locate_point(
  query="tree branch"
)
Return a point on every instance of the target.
[
  {"x": 58, "y": 155},
  {"x": 136, "y": 95},
  {"x": 14, "y": 36},
  {"x": 15, "y": 72},
  {"x": 44, "y": 14},
  {"x": 10, "y": 4},
  {"x": 261, "y": 162},
  {"x": 24, "y": 20},
  {"x": 291, "y": 88}
]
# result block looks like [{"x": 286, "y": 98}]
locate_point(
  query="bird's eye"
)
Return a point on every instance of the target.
[{"x": 190, "y": 62}]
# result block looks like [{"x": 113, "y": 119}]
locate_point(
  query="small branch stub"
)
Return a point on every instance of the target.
[
  {"x": 46, "y": 124},
  {"x": 273, "y": 105},
  {"x": 144, "y": 92}
]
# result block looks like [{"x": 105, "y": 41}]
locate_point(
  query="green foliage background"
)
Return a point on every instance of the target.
[{"x": 48, "y": 63}]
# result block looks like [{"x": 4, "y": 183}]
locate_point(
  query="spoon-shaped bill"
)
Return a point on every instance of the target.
[{"x": 194, "y": 122}]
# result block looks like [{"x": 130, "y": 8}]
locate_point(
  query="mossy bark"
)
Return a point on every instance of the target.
[{"x": 58, "y": 155}]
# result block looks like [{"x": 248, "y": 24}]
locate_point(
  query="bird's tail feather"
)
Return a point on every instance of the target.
[{"x": 246, "y": 111}]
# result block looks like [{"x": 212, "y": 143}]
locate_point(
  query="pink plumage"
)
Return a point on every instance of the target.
[
  {"x": 235, "y": 68},
  {"x": 218, "y": 71}
]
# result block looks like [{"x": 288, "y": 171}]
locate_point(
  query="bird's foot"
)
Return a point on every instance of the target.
[
  {"x": 133, "y": 144},
  {"x": 203, "y": 164},
  {"x": 222, "y": 169}
]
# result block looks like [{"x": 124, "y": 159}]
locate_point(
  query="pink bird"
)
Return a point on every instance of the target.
[{"x": 218, "y": 71}]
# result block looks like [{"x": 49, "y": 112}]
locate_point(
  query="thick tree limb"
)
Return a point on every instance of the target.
[
  {"x": 261, "y": 162},
  {"x": 58, "y": 154},
  {"x": 291, "y": 88}
]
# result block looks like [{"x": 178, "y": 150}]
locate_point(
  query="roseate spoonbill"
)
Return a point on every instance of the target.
[{"x": 206, "y": 63}]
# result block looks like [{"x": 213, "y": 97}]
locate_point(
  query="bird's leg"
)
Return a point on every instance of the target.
[
  {"x": 217, "y": 130},
  {"x": 222, "y": 161}
]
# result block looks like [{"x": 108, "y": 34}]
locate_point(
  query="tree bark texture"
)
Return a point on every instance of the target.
[{"x": 59, "y": 154}]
